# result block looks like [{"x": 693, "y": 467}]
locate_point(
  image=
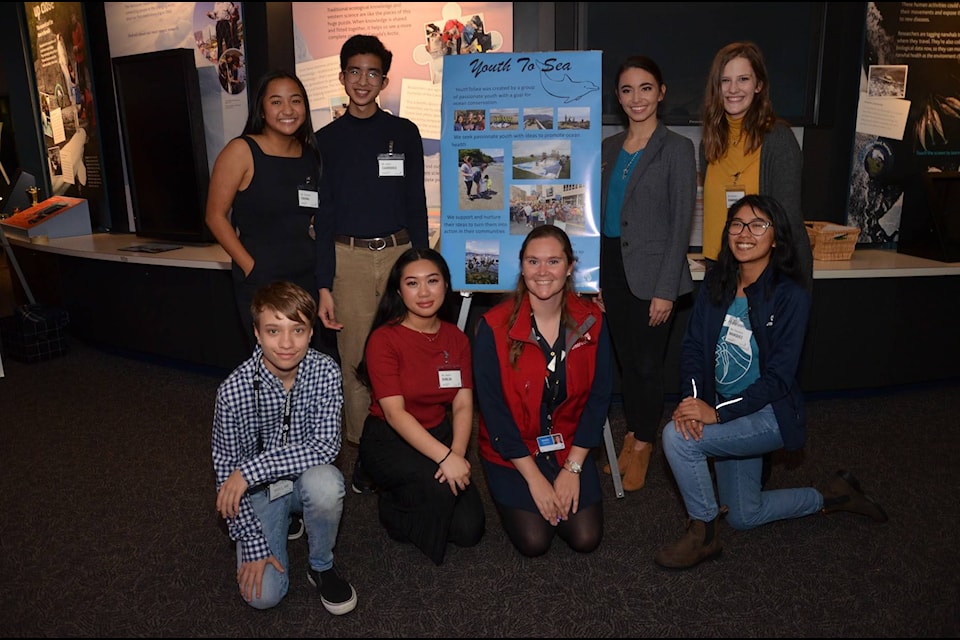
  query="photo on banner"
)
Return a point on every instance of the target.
[{"x": 520, "y": 148}]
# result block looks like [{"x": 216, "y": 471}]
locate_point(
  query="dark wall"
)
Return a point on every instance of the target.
[
  {"x": 827, "y": 148},
  {"x": 540, "y": 26}
]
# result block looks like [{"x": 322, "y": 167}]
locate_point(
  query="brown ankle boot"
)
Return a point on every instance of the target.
[
  {"x": 623, "y": 460},
  {"x": 636, "y": 475},
  {"x": 701, "y": 542},
  {"x": 844, "y": 493}
]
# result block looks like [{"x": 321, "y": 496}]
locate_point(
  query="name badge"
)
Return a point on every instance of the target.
[
  {"x": 391, "y": 165},
  {"x": 280, "y": 488},
  {"x": 737, "y": 333},
  {"x": 450, "y": 379},
  {"x": 733, "y": 195},
  {"x": 308, "y": 197},
  {"x": 551, "y": 442}
]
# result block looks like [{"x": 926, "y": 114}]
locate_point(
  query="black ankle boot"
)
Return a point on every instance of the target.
[{"x": 843, "y": 493}]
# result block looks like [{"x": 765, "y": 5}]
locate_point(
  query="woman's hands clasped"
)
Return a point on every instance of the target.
[
  {"x": 455, "y": 471},
  {"x": 691, "y": 415}
]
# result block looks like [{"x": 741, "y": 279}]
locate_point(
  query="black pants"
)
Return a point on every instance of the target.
[
  {"x": 413, "y": 506},
  {"x": 640, "y": 348}
]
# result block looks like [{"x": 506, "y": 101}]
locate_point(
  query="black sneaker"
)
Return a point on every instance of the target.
[
  {"x": 296, "y": 527},
  {"x": 337, "y": 595},
  {"x": 361, "y": 482}
]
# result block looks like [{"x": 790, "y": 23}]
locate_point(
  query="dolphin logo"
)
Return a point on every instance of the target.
[{"x": 566, "y": 88}]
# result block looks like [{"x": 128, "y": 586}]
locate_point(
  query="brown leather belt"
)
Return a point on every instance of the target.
[{"x": 376, "y": 244}]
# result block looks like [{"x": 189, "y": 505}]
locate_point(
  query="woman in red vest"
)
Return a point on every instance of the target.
[{"x": 543, "y": 368}]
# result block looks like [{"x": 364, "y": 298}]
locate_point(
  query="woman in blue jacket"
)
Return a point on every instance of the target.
[{"x": 741, "y": 398}]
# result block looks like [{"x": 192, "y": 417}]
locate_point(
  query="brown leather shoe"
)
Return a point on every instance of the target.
[
  {"x": 843, "y": 493},
  {"x": 623, "y": 460},
  {"x": 701, "y": 542},
  {"x": 636, "y": 476}
]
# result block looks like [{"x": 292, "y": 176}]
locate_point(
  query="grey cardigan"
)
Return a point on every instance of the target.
[
  {"x": 657, "y": 212},
  {"x": 781, "y": 169}
]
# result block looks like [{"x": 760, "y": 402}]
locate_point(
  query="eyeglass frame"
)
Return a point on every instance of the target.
[
  {"x": 353, "y": 75},
  {"x": 746, "y": 225}
]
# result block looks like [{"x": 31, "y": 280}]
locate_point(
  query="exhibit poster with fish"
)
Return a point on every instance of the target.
[{"x": 519, "y": 148}]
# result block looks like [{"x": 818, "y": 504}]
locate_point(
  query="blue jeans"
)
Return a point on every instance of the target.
[
  {"x": 737, "y": 448},
  {"x": 318, "y": 494}
]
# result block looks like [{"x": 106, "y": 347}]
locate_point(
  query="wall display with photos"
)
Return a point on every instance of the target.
[
  {"x": 65, "y": 92},
  {"x": 520, "y": 149},
  {"x": 214, "y": 32},
  {"x": 908, "y": 119}
]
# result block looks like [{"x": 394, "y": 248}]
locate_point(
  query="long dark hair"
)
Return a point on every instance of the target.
[
  {"x": 520, "y": 292},
  {"x": 255, "y": 122},
  {"x": 722, "y": 285},
  {"x": 391, "y": 308}
]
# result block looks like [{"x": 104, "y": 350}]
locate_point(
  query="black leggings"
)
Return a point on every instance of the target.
[{"x": 532, "y": 535}]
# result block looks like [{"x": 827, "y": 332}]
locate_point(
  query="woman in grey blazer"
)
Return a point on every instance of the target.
[{"x": 648, "y": 195}]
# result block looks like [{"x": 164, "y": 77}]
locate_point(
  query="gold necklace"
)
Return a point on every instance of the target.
[{"x": 430, "y": 338}]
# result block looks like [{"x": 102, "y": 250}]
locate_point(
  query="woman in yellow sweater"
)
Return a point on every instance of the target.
[{"x": 745, "y": 148}]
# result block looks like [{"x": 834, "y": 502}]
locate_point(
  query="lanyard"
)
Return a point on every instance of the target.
[
  {"x": 287, "y": 409},
  {"x": 555, "y": 355}
]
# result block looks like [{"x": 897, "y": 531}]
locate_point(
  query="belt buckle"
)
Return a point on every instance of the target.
[{"x": 377, "y": 244}]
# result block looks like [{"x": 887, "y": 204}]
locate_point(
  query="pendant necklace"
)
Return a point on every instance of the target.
[
  {"x": 430, "y": 338},
  {"x": 633, "y": 158}
]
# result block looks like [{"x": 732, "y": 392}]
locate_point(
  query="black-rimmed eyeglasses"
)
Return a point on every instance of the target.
[{"x": 757, "y": 227}]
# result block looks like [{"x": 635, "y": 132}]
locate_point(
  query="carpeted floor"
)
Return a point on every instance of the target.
[{"x": 108, "y": 529}]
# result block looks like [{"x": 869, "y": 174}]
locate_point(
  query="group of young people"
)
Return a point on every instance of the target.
[
  {"x": 318, "y": 227},
  {"x": 741, "y": 348}
]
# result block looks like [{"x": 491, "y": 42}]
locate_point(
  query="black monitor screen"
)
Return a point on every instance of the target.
[{"x": 165, "y": 150}]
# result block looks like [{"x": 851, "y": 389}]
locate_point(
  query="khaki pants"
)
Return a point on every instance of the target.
[{"x": 361, "y": 278}]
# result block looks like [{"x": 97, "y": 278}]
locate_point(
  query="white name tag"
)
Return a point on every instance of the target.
[
  {"x": 280, "y": 488},
  {"x": 552, "y": 442},
  {"x": 391, "y": 165},
  {"x": 450, "y": 379},
  {"x": 308, "y": 198},
  {"x": 733, "y": 196},
  {"x": 737, "y": 333}
]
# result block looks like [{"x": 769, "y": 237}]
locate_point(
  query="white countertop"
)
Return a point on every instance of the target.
[
  {"x": 108, "y": 246},
  {"x": 865, "y": 263}
]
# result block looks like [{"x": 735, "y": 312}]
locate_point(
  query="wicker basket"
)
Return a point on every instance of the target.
[{"x": 831, "y": 241}]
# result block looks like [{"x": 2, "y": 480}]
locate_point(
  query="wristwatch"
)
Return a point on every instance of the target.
[{"x": 572, "y": 467}]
